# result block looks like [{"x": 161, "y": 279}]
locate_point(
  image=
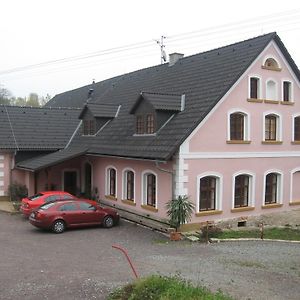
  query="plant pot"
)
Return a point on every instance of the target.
[{"x": 175, "y": 236}]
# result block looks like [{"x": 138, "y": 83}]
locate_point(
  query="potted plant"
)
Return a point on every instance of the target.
[{"x": 179, "y": 211}]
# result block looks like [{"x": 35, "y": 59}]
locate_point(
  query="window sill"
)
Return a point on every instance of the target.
[
  {"x": 273, "y": 205},
  {"x": 239, "y": 209},
  {"x": 109, "y": 197},
  {"x": 255, "y": 100},
  {"x": 271, "y": 101},
  {"x": 271, "y": 68},
  {"x": 208, "y": 213},
  {"x": 149, "y": 207},
  {"x": 294, "y": 203},
  {"x": 144, "y": 134},
  {"x": 271, "y": 142},
  {"x": 238, "y": 142},
  {"x": 129, "y": 202},
  {"x": 287, "y": 102},
  {"x": 295, "y": 143}
]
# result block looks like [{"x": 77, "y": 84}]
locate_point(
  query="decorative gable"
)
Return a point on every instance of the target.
[{"x": 153, "y": 110}]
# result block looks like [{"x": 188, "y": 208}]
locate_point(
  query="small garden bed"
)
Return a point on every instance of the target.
[
  {"x": 164, "y": 288},
  {"x": 284, "y": 233}
]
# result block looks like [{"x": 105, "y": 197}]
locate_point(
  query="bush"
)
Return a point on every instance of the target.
[
  {"x": 17, "y": 191},
  {"x": 164, "y": 288}
]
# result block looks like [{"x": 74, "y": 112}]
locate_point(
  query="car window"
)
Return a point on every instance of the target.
[
  {"x": 67, "y": 197},
  {"x": 52, "y": 198},
  {"x": 47, "y": 206},
  {"x": 35, "y": 197},
  {"x": 87, "y": 206},
  {"x": 68, "y": 207}
]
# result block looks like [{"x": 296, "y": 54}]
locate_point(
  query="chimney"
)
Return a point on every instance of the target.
[{"x": 174, "y": 57}]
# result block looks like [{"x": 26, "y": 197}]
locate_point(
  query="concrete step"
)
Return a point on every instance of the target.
[
  {"x": 4, "y": 198},
  {"x": 7, "y": 206}
]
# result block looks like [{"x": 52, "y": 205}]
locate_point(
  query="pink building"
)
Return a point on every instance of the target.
[{"x": 222, "y": 127}]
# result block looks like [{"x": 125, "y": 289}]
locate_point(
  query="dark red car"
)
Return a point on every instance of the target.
[
  {"x": 59, "y": 215},
  {"x": 32, "y": 202}
]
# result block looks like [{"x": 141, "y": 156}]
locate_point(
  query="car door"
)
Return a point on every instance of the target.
[
  {"x": 89, "y": 214},
  {"x": 70, "y": 213}
]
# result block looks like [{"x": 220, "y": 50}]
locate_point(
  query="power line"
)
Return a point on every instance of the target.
[{"x": 212, "y": 32}]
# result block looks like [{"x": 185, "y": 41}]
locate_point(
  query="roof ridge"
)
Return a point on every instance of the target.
[
  {"x": 158, "y": 93},
  {"x": 40, "y": 107}
]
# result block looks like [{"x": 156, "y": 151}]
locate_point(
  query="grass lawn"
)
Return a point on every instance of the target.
[
  {"x": 164, "y": 288},
  {"x": 269, "y": 233}
]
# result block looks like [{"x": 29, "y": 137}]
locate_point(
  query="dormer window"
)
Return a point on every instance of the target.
[
  {"x": 150, "y": 124},
  {"x": 139, "y": 125},
  {"x": 154, "y": 110},
  {"x": 88, "y": 127},
  {"x": 96, "y": 116}
]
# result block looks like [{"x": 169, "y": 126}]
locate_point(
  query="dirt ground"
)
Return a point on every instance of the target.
[{"x": 81, "y": 264}]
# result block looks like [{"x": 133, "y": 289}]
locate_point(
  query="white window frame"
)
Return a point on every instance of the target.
[
  {"x": 247, "y": 124},
  {"x": 219, "y": 189},
  {"x": 279, "y": 186},
  {"x": 251, "y": 175},
  {"x": 107, "y": 180},
  {"x": 124, "y": 185},
  {"x": 259, "y": 86},
  {"x": 293, "y": 125},
  {"x": 278, "y": 125},
  {"x": 292, "y": 182},
  {"x": 275, "y": 87},
  {"x": 291, "y": 100},
  {"x": 144, "y": 185}
]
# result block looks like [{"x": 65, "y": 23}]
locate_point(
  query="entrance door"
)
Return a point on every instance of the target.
[
  {"x": 70, "y": 182},
  {"x": 88, "y": 181}
]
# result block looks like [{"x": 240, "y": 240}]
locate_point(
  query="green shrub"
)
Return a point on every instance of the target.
[
  {"x": 164, "y": 288},
  {"x": 17, "y": 191}
]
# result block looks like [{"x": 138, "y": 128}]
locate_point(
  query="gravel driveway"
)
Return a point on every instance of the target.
[{"x": 81, "y": 264}]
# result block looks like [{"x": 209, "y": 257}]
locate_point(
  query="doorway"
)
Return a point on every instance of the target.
[
  {"x": 70, "y": 182},
  {"x": 88, "y": 180}
]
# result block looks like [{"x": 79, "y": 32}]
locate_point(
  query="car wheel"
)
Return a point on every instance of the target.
[
  {"x": 108, "y": 222},
  {"x": 58, "y": 226}
]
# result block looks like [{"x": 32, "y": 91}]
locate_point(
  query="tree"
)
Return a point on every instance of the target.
[
  {"x": 20, "y": 101},
  {"x": 33, "y": 100},
  {"x": 44, "y": 100},
  {"x": 4, "y": 96}
]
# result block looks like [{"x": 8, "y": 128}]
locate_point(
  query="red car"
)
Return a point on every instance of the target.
[
  {"x": 32, "y": 202},
  {"x": 59, "y": 215}
]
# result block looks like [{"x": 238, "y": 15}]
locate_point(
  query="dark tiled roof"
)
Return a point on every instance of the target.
[
  {"x": 30, "y": 128},
  {"x": 52, "y": 159},
  {"x": 99, "y": 110},
  {"x": 203, "y": 78},
  {"x": 160, "y": 101}
]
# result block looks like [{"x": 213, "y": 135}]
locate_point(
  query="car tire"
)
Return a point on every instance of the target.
[
  {"x": 59, "y": 226},
  {"x": 108, "y": 222}
]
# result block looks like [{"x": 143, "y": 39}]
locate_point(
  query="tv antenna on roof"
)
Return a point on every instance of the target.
[{"x": 163, "y": 56}]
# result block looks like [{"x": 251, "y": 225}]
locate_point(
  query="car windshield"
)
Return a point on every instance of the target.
[
  {"x": 35, "y": 197},
  {"x": 47, "y": 206}
]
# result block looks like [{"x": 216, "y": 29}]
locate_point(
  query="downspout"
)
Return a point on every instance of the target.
[{"x": 169, "y": 172}]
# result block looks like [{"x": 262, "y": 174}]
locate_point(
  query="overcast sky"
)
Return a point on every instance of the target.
[{"x": 34, "y": 32}]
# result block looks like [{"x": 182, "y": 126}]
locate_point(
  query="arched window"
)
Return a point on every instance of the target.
[
  {"x": 209, "y": 193},
  {"x": 237, "y": 126},
  {"x": 149, "y": 189},
  {"x": 111, "y": 182},
  {"x": 254, "y": 88},
  {"x": 128, "y": 185},
  {"x": 272, "y": 188},
  {"x": 287, "y": 91},
  {"x": 297, "y": 129},
  {"x": 242, "y": 190},
  {"x": 272, "y": 127},
  {"x": 271, "y": 64},
  {"x": 271, "y": 92}
]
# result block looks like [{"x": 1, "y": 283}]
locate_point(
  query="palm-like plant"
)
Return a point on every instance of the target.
[{"x": 179, "y": 211}]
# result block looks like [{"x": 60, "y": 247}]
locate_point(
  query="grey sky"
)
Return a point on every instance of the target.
[{"x": 35, "y": 31}]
